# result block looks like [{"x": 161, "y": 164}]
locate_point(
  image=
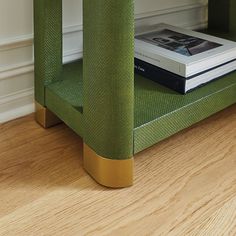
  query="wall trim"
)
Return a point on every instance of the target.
[
  {"x": 72, "y": 29},
  {"x": 16, "y": 96},
  {"x": 72, "y": 55},
  {"x": 15, "y": 113},
  {"x": 16, "y": 70},
  {"x": 17, "y": 104},
  {"x": 170, "y": 10},
  {"x": 28, "y": 67},
  {"x": 27, "y": 40},
  {"x": 16, "y": 42}
]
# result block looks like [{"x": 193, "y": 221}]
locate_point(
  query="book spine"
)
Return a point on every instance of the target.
[
  {"x": 160, "y": 61},
  {"x": 157, "y": 74}
]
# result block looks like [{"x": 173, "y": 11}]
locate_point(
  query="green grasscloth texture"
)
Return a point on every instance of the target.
[
  {"x": 109, "y": 77},
  {"x": 65, "y": 97},
  {"x": 161, "y": 112},
  {"x": 222, "y": 15},
  {"x": 47, "y": 44},
  {"x": 116, "y": 112}
]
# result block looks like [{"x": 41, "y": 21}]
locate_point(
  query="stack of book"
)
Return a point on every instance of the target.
[{"x": 182, "y": 59}]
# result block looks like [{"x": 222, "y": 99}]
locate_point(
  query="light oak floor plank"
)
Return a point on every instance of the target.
[
  {"x": 185, "y": 185},
  {"x": 221, "y": 222}
]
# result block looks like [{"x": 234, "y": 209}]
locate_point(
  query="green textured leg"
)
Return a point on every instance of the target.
[
  {"x": 48, "y": 54},
  {"x": 218, "y": 11},
  {"x": 232, "y": 19},
  {"x": 47, "y": 45},
  {"x": 109, "y": 91},
  {"x": 222, "y": 15}
]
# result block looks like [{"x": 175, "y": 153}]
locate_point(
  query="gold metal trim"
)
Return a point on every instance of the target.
[
  {"x": 108, "y": 172},
  {"x": 45, "y": 117}
]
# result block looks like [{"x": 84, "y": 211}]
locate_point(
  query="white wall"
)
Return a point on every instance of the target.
[{"x": 16, "y": 27}]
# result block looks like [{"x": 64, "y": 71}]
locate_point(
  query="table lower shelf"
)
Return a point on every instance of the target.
[{"x": 159, "y": 111}]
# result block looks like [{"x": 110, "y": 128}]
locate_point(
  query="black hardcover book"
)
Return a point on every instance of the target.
[
  {"x": 157, "y": 74},
  {"x": 177, "y": 82}
]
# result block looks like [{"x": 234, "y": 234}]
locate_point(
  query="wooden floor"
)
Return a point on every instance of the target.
[{"x": 185, "y": 185}]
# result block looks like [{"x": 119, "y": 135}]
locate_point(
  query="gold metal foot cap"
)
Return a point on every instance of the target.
[
  {"x": 108, "y": 172},
  {"x": 45, "y": 117}
]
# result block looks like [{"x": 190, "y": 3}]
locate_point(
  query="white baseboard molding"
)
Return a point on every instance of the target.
[
  {"x": 16, "y": 105},
  {"x": 16, "y": 113},
  {"x": 170, "y": 10},
  {"x": 16, "y": 70}
]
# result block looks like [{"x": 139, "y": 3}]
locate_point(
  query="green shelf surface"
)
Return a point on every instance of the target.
[
  {"x": 159, "y": 111},
  {"x": 65, "y": 97}
]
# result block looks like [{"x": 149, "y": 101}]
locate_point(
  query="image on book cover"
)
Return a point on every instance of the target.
[{"x": 183, "y": 44}]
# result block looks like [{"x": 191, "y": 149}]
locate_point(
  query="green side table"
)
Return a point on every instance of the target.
[{"x": 117, "y": 113}]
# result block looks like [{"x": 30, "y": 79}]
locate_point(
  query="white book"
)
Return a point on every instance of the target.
[{"x": 183, "y": 52}]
